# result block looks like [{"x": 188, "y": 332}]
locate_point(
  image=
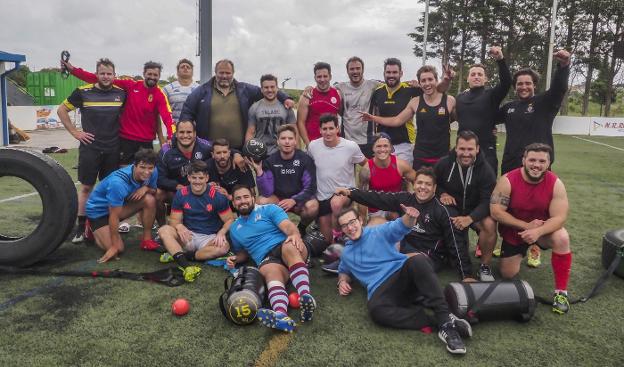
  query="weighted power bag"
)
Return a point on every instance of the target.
[
  {"x": 612, "y": 247},
  {"x": 245, "y": 293},
  {"x": 500, "y": 300}
]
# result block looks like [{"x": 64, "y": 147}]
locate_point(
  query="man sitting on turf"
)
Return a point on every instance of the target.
[
  {"x": 288, "y": 178},
  {"x": 174, "y": 163},
  {"x": 394, "y": 280},
  {"x": 200, "y": 218},
  {"x": 121, "y": 194},
  {"x": 530, "y": 204},
  {"x": 275, "y": 245}
]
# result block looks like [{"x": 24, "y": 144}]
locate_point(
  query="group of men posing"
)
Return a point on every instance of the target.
[{"x": 201, "y": 175}]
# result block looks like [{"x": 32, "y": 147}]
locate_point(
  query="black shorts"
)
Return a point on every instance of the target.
[
  {"x": 325, "y": 207},
  {"x": 275, "y": 256},
  {"x": 509, "y": 250},
  {"x": 127, "y": 148},
  {"x": 367, "y": 150},
  {"x": 97, "y": 223},
  {"x": 419, "y": 163},
  {"x": 94, "y": 164}
]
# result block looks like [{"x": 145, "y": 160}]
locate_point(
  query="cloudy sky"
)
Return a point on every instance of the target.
[{"x": 284, "y": 37}]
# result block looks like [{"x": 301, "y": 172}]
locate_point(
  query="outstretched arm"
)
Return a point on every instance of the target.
[{"x": 398, "y": 120}]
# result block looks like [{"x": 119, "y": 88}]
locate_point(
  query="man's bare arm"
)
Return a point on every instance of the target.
[
  {"x": 558, "y": 210},
  {"x": 499, "y": 202},
  {"x": 302, "y": 115}
]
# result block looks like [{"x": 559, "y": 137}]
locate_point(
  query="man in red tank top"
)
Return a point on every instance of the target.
[
  {"x": 324, "y": 99},
  {"x": 384, "y": 172},
  {"x": 531, "y": 206}
]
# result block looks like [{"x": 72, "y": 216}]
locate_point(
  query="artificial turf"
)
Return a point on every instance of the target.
[{"x": 62, "y": 321}]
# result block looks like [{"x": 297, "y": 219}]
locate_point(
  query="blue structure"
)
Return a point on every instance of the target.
[{"x": 4, "y": 121}]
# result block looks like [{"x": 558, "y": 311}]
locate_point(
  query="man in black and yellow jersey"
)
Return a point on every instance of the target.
[
  {"x": 391, "y": 98},
  {"x": 100, "y": 107}
]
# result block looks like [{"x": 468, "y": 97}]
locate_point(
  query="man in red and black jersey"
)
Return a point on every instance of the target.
[{"x": 531, "y": 206}]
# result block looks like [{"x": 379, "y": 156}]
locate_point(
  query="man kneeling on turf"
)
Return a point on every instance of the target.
[
  {"x": 200, "y": 218},
  {"x": 399, "y": 287},
  {"x": 275, "y": 245},
  {"x": 128, "y": 190}
]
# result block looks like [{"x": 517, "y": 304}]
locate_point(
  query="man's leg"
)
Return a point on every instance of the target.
[
  {"x": 147, "y": 215},
  {"x": 276, "y": 275},
  {"x": 487, "y": 241},
  {"x": 561, "y": 261},
  {"x": 308, "y": 212},
  {"x": 206, "y": 247},
  {"x": 261, "y": 200},
  {"x": 163, "y": 197},
  {"x": 172, "y": 242},
  {"x": 83, "y": 196},
  {"x": 511, "y": 258},
  {"x": 295, "y": 259}
]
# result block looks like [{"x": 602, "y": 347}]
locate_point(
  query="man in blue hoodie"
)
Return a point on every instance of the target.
[{"x": 370, "y": 255}]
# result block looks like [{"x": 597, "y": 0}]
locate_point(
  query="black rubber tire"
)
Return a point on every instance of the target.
[
  {"x": 611, "y": 243},
  {"x": 59, "y": 200}
]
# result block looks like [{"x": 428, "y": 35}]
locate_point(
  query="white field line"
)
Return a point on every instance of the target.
[
  {"x": 25, "y": 195},
  {"x": 599, "y": 143}
]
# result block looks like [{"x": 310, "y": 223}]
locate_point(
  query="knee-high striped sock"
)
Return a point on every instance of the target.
[
  {"x": 300, "y": 278},
  {"x": 278, "y": 296}
]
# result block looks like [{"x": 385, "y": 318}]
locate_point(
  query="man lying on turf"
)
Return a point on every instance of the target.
[
  {"x": 200, "y": 218},
  {"x": 275, "y": 245},
  {"x": 120, "y": 195},
  {"x": 399, "y": 287}
]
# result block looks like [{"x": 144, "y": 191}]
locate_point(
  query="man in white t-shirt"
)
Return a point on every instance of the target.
[
  {"x": 177, "y": 91},
  {"x": 356, "y": 96},
  {"x": 334, "y": 158}
]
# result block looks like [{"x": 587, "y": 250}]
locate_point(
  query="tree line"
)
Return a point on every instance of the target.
[{"x": 460, "y": 32}]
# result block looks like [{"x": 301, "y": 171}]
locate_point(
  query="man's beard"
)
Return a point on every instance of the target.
[
  {"x": 531, "y": 178},
  {"x": 247, "y": 210},
  {"x": 150, "y": 82}
]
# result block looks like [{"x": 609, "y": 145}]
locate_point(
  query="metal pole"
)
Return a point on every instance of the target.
[
  {"x": 551, "y": 44},
  {"x": 425, "y": 33},
  {"x": 205, "y": 40}
]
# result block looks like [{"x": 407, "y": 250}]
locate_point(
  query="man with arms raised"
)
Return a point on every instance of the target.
[
  {"x": 465, "y": 180},
  {"x": 177, "y": 92},
  {"x": 477, "y": 107},
  {"x": 267, "y": 115},
  {"x": 100, "y": 106},
  {"x": 325, "y": 99},
  {"x": 120, "y": 195},
  {"x": 334, "y": 158},
  {"x": 200, "y": 218},
  {"x": 393, "y": 280},
  {"x": 288, "y": 178},
  {"x": 275, "y": 246},
  {"x": 530, "y": 204}
]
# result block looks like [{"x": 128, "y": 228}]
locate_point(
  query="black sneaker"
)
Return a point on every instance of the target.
[
  {"x": 485, "y": 273},
  {"x": 331, "y": 268},
  {"x": 450, "y": 336},
  {"x": 78, "y": 236},
  {"x": 463, "y": 327}
]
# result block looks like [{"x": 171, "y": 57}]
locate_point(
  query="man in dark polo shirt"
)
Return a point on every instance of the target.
[
  {"x": 225, "y": 174},
  {"x": 100, "y": 106},
  {"x": 220, "y": 107}
]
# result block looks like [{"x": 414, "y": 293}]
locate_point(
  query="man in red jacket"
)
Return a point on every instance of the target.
[{"x": 145, "y": 102}]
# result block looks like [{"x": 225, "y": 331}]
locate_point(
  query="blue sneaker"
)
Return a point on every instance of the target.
[
  {"x": 308, "y": 305},
  {"x": 276, "y": 320}
]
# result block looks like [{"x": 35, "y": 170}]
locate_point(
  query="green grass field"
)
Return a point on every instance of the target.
[{"x": 61, "y": 321}]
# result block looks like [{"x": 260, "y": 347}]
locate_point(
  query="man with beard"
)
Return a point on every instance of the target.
[
  {"x": 434, "y": 234},
  {"x": 325, "y": 99},
  {"x": 433, "y": 120},
  {"x": 477, "y": 107},
  {"x": 200, "y": 218},
  {"x": 267, "y": 115},
  {"x": 288, "y": 178},
  {"x": 393, "y": 97},
  {"x": 178, "y": 91},
  {"x": 224, "y": 173},
  {"x": 121, "y": 194},
  {"x": 139, "y": 120},
  {"x": 530, "y": 204},
  {"x": 220, "y": 107},
  {"x": 100, "y": 105},
  {"x": 393, "y": 280},
  {"x": 264, "y": 233},
  {"x": 465, "y": 180},
  {"x": 174, "y": 163}
]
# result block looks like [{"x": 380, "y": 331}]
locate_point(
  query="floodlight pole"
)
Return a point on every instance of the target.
[
  {"x": 551, "y": 44},
  {"x": 425, "y": 33},
  {"x": 205, "y": 40}
]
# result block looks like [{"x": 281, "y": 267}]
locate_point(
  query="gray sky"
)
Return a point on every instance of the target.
[{"x": 283, "y": 37}]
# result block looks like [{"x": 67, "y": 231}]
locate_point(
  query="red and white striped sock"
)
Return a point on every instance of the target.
[
  {"x": 300, "y": 278},
  {"x": 278, "y": 296}
]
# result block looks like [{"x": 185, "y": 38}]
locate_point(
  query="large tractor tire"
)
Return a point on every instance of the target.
[{"x": 59, "y": 200}]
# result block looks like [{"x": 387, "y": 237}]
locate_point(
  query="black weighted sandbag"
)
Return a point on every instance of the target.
[
  {"x": 612, "y": 246},
  {"x": 500, "y": 300},
  {"x": 245, "y": 292}
]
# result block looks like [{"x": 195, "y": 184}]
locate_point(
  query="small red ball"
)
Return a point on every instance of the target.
[
  {"x": 293, "y": 300},
  {"x": 180, "y": 307}
]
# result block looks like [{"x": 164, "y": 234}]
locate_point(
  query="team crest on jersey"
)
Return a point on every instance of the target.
[
  {"x": 333, "y": 100},
  {"x": 530, "y": 108},
  {"x": 441, "y": 111},
  {"x": 187, "y": 206},
  {"x": 199, "y": 155},
  {"x": 427, "y": 218},
  {"x": 208, "y": 207},
  {"x": 511, "y": 110},
  {"x": 296, "y": 163},
  {"x": 258, "y": 217},
  {"x": 150, "y": 98},
  {"x": 417, "y": 228}
]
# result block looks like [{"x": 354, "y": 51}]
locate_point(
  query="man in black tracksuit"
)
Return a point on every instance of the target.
[
  {"x": 434, "y": 233},
  {"x": 465, "y": 180},
  {"x": 529, "y": 119},
  {"x": 477, "y": 107}
]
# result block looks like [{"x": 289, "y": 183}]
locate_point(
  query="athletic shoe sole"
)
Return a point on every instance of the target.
[
  {"x": 269, "y": 319},
  {"x": 308, "y": 305}
]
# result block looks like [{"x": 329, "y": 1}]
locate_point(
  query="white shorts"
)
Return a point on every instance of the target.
[
  {"x": 405, "y": 151},
  {"x": 198, "y": 241}
]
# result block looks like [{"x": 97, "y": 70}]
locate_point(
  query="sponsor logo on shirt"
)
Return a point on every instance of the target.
[
  {"x": 423, "y": 110},
  {"x": 287, "y": 171},
  {"x": 417, "y": 228},
  {"x": 117, "y": 99},
  {"x": 441, "y": 111},
  {"x": 150, "y": 98},
  {"x": 511, "y": 110}
]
